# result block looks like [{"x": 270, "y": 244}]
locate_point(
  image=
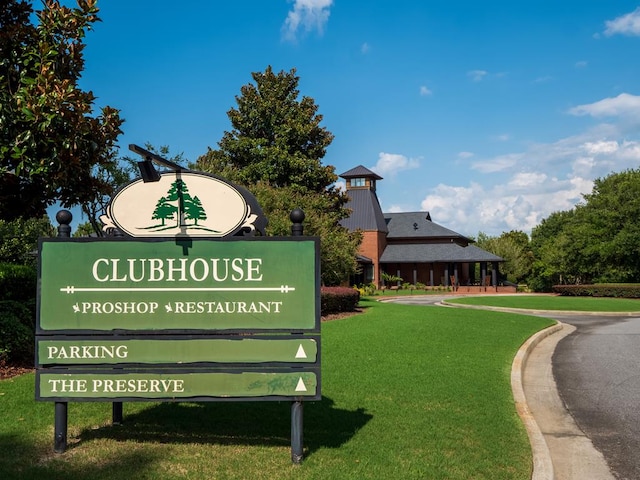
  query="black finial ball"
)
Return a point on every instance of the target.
[
  {"x": 64, "y": 217},
  {"x": 297, "y": 216}
]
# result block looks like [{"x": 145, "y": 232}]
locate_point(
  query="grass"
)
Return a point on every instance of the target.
[
  {"x": 409, "y": 392},
  {"x": 547, "y": 302}
]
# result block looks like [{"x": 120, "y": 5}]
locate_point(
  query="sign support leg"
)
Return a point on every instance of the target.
[
  {"x": 296, "y": 431},
  {"x": 116, "y": 413},
  {"x": 60, "y": 431}
]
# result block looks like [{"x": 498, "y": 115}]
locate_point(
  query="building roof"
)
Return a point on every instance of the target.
[
  {"x": 360, "y": 171},
  {"x": 436, "y": 252},
  {"x": 366, "y": 214},
  {"x": 418, "y": 225}
]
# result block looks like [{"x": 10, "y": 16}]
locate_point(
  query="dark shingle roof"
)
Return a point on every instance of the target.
[
  {"x": 417, "y": 225},
  {"x": 437, "y": 252},
  {"x": 365, "y": 212},
  {"x": 360, "y": 171}
]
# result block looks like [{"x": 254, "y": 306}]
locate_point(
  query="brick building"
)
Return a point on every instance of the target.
[{"x": 410, "y": 245}]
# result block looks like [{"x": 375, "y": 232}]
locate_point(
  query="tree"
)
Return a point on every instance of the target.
[
  {"x": 193, "y": 209},
  {"x": 275, "y": 150},
  {"x": 514, "y": 247},
  {"x": 19, "y": 239},
  {"x": 597, "y": 241},
  {"x": 164, "y": 210},
  {"x": 51, "y": 147},
  {"x": 276, "y": 138}
]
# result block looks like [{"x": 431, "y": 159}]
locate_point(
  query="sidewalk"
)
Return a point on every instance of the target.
[{"x": 561, "y": 451}]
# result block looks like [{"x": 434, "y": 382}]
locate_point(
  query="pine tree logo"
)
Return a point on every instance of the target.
[{"x": 178, "y": 209}]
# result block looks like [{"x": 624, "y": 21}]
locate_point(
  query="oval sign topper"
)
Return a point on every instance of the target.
[{"x": 182, "y": 203}]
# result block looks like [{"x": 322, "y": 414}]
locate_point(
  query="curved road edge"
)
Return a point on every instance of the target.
[{"x": 542, "y": 463}]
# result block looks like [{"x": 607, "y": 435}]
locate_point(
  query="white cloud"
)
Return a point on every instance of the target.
[
  {"x": 465, "y": 155},
  {"x": 424, "y": 91},
  {"x": 532, "y": 184},
  {"x": 628, "y": 24},
  {"x": 392, "y": 163},
  {"x": 581, "y": 64},
  {"x": 624, "y": 104},
  {"x": 497, "y": 164},
  {"x": 477, "y": 75},
  {"x": 365, "y": 48},
  {"x": 306, "y": 15}
]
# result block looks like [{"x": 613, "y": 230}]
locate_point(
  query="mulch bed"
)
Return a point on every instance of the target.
[{"x": 8, "y": 371}]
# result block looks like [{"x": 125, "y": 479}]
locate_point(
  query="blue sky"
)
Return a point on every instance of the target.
[{"x": 489, "y": 115}]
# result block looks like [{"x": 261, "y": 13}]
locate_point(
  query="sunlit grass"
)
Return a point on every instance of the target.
[
  {"x": 548, "y": 302},
  {"x": 409, "y": 392}
]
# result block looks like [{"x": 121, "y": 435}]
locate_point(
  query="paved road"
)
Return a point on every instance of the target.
[{"x": 597, "y": 372}]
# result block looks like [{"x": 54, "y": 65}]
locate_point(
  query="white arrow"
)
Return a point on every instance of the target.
[
  {"x": 301, "y": 386},
  {"x": 301, "y": 353}
]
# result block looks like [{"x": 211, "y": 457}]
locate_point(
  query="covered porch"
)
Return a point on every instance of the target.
[{"x": 463, "y": 269}]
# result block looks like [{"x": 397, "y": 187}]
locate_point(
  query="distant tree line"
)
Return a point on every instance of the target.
[{"x": 597, "y": 241}]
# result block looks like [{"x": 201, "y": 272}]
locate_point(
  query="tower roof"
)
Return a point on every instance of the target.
[{"x": 360, "y": 171}]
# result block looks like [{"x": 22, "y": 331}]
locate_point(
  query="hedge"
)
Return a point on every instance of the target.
[
  {"x": 18, "y": 282},
  {"x": 338, "y": 299},
  {"x": 17, "y": 334},
  {"x": 617, "y": 290}
]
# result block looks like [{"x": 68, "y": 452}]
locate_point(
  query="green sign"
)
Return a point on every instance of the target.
[
  {"x": 257, "y": 284},
  {"x": 90, "y": 351},
  {"x": 105, "y": 385}
]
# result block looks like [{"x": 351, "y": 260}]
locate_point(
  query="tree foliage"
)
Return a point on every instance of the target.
[
  {"x": 514, "y": 247},
  {"x": 19, "y": 239},
  {"x": 596, "y": 242},
  {"x": 51, "y": 145},
  {"x": 276, "y": 137},
  {"x": 275, "y": 150}
]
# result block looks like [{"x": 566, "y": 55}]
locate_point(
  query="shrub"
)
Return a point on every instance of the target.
[
  {"x": 19, "y": 239},
  {"x": 18, "y": 282},
  {"x": 338, "y": 299},
  {"x": 618, "y": 290},
  {"x": 16, "y": 333}
]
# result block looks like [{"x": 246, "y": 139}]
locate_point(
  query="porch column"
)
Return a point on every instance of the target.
[
  {"x": 446, "y": 275},
  {"x": 494, "y": 274},
  {"x": 415, "y": 273},
  {"x": 431, "y": 274}
]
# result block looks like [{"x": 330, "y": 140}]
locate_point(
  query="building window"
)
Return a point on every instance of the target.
[{"x": 357, "y": 182}]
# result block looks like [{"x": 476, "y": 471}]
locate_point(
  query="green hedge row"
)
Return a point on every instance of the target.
[
  {"x": 17, "y": 282},
  {"x": 17, "y": 333},
  {"x": 618, "y": 290},
  {"x": 338, "y": 299},
  {"x": 18, "y": 285}
]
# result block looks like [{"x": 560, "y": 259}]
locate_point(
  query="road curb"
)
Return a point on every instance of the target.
[{"x": 542, "y": 464}]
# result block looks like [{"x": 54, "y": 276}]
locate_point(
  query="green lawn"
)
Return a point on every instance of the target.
[
  {"x": 547, "y": 302},
  {"x": 409, "y": 392}
]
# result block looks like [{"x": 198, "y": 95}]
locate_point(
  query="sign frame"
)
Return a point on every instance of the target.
[{"x": 185, "y": 244}]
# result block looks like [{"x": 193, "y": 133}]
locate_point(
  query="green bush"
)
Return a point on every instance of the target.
[
  {"x": 17, "y": 330},
  {"x": 338, "y": 299},
  {"x": 617, "y": 290},
  {"x": 19, "y": 239},
  {"x": 18, "y": 282}
]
